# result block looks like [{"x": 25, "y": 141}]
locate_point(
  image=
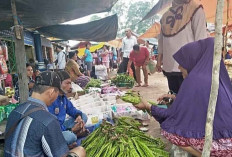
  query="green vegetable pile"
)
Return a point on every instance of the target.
[
  {"x": 123, "y": 80},
  {"x": 131, "y": 97},
  {"x": 123, "y": 140},
  {"x": 93, "y": 83}
]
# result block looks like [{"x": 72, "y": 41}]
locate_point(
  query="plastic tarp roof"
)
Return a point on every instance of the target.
[
  {"x": 100, "y": 30},
  {"x": 152, "y": 32},
  {"x": 208, "y": 5},
  {"x": 37, "y": 13}
]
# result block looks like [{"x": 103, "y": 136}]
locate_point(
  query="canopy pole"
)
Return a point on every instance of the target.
[
  {"x": 215, "y": 80},
  {"x": 226, "y": 31},
  {"x": 20, "y": 55}
]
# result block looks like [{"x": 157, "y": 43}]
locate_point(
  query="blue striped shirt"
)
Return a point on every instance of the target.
[{"x": 38, "y": 134}]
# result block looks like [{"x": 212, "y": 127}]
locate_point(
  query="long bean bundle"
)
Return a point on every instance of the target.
[{"x": 123, "y": 140}]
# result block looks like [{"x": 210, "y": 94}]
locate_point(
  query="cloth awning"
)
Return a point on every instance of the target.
[
  {"x": 79, "y": 45},
  {"x": 152, "y": 32},
  {"x": 38, "y": 13},
  {"x": 210, "y": 10},
  {"x": 116, "y": 43},
  {"x": 100, "y": 30},
  {"x": 91, "y": 49},
  {"x": 208, "y": 5}
]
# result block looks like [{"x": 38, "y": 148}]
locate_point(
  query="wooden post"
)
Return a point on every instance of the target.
[
  {"x": 215, "y": 79},
  {"x": 226, "y": 30},
  {"x": 20, "y": 56}
]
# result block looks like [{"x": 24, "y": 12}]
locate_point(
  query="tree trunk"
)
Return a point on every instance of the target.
[
  {"x": 215, "y": 80},
  {"x": 20, "y": 56}
]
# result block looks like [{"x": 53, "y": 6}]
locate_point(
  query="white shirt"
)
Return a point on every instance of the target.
[
  {"x": 127, "y": 45},
  {"x": 168, "y": 46},
  {"x": 61, "y": 57}
]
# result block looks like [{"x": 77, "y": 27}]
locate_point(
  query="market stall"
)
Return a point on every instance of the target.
[{"x": 114, "y": 120}]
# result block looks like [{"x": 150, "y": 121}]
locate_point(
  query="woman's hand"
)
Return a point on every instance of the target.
[
  {"x": 143, "y": 105},
  {"x": 166, "y": 96}
]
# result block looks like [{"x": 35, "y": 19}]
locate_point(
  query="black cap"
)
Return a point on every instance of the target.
[
  {"x": 63, "y": 75},
  {"x": 49, "y": 78}
]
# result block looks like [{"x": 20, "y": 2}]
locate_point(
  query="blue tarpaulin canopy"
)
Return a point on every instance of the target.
[
  {"x": 39, "y": 13},
  {"x": 100, "y": 30}
]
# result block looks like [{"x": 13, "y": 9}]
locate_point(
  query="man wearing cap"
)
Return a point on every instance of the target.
[
  {"x": 31, "y": 130},
  {"x": 62, "y": 106}
]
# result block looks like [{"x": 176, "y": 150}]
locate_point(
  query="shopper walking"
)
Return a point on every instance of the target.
[{"x": 127, "y": 46}]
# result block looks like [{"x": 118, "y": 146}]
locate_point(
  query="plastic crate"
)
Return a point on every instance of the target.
[
  {"x": 2, "y": 113},
  {"x": 124, "y": 84}
]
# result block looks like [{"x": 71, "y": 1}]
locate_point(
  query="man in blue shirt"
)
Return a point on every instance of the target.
[
  {"x": 31, "y": 130},
  {"x": 88, "y": 59},
  {"x": 62, "y": 106}
]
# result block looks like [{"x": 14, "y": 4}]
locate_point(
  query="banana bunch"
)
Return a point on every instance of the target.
[{"x": 122, "y": 140}]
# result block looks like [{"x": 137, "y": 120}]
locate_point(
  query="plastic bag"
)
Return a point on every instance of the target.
[
  {"x": 151, "y": 66},
  {"x": 76, "y": 88}
]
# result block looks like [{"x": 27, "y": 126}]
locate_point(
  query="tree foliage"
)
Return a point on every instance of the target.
[{"x": 130, "y": 13}]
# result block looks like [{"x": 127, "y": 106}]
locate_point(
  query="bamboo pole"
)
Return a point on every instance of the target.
[
  {"x": 226, "y": 30},
  {"x": 215, "y": 80},
  {"x": 20, "y": 56}
]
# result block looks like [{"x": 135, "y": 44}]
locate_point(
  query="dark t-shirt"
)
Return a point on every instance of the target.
[
  {"x": 139, "y": 58},
  {"x": 38, "y": 134}
]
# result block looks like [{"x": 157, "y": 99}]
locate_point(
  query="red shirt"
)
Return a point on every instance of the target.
[{"x": 139, "y": 58}]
